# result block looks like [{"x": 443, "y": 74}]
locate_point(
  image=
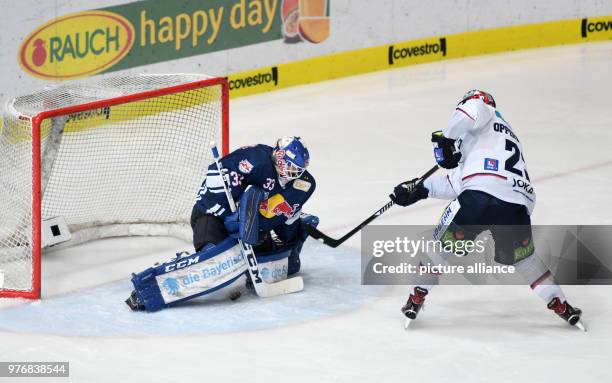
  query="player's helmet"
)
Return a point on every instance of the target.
[
  {"x": 290, "y": 157},
  {"x": 475, "y": 93}
]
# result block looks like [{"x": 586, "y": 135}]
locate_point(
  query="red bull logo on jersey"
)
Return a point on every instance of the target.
[{"x": 276, "y": 206}]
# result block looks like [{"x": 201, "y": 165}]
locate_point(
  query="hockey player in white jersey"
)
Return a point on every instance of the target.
[{"x": 490, "y": 189}]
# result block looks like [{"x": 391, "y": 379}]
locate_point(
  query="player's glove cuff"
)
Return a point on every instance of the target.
[
  {"x": 445, "y": 151},
  {"x": 307, "y": 220},
  {"x": 407, "y": 193}
]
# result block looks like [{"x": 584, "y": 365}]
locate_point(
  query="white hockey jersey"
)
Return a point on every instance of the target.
[{"x": 492, "y": 158}]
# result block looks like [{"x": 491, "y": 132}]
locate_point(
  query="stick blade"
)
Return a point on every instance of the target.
[{"x": 288, "y": 286}]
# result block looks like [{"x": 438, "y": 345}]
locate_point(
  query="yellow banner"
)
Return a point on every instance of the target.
[{"x": 420, "y": 51}]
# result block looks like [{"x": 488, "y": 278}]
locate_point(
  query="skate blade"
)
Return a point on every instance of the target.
[
  {"x": 581, "y": 326},
  {"x": 407, "y": 323}
]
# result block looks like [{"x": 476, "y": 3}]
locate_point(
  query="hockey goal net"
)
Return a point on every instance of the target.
[{"x": 107, "y": 157}]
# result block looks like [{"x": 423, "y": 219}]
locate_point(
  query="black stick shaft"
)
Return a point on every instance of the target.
[{"x": 315, "y": 233}]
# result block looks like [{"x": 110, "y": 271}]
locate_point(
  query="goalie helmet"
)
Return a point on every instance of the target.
[
  {"x": 475, "y": 93},
  {"x": 290, "y": 158}
]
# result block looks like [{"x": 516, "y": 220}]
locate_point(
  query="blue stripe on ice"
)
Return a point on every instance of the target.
[{"x": 332, "y": 286}]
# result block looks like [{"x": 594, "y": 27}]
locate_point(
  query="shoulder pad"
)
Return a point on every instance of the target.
[
  {"x": 302, "y": 185},
  {"x": 306, "y": 183},
  {"x": 476, "y": 109},
  {"x": 250, "y": 158}
]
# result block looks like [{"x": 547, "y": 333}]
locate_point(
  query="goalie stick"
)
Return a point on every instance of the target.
[
  {"x": 316, "y": 234},
  {"x": 262, "y": 288}
]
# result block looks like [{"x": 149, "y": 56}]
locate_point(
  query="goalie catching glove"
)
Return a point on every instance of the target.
[{"x": 409, "y": 192}]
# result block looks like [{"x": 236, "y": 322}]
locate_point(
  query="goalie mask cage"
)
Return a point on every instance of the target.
[{"x": 113, "y": 156}]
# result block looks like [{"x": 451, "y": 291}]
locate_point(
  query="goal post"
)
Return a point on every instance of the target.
[{"x": 96, "y": 158}]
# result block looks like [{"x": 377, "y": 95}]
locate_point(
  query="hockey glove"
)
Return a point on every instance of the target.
[
  {"x": 307, "y": 220},
  {"x": 409, "y": 192},
  {"x": 445, "y": 151},
  {"x": 294, "y": 258},
  {"x": 232, "y": 225}
]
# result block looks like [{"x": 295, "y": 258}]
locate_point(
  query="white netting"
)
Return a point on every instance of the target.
[{"x": 127, "y": 169}]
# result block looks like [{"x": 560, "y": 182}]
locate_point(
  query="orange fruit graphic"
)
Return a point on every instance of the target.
[
  {"x": 288, "y": 7},
  {"x": 315, "y": 30}
]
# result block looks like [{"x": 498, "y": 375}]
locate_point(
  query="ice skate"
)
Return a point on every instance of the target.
[
  {"x": 134, "y": 303},
  {"x": 415, "y": 302},
  {"x": 568, "y": 313}
]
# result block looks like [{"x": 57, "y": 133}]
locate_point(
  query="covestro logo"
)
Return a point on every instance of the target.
[
  {"x": 415, "y": 51},
  {"x": 255, "y": 79},
  {"x": 76, "y": 45},
  {"x": 587, "y": 26}
]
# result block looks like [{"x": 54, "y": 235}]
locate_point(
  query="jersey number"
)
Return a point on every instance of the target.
[
  {"x": 235, "y": 178},
  {"x": 269, "y": 185},
  {"x": 516, "y": 156}
]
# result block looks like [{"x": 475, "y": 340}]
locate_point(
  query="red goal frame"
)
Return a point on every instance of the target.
[{"x": 36, "y": 123}]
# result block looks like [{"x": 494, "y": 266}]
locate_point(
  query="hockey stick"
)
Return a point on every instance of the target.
[
  {"x": 316, "y": 234},
  {"x": 262, "y": 288}
]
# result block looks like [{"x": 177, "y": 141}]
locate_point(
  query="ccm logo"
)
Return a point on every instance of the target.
[
  {"x": 182, "y": 263},
  {"x": 254, "y": 268}
]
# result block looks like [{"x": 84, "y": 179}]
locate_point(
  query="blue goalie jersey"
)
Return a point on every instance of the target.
[{"x": 253, "y": 165}]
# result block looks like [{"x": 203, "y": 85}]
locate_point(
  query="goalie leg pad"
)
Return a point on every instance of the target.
[
  {"x": 284, "y": 260},
  {"x": 186, "y": 277},
  {"x": 274, "y": 265}
]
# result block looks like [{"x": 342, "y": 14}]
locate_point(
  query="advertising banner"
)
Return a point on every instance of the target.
[{"x": 262, "y": 45}]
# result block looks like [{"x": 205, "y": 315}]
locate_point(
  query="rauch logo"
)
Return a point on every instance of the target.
[
  {"x": 597, "y": 26},
  {"x": 76, "y": 45}
]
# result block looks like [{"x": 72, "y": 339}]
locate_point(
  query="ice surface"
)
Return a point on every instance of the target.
[
  {"x": 366, "y": 134},
  {"x": 331, "y": 277}
]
